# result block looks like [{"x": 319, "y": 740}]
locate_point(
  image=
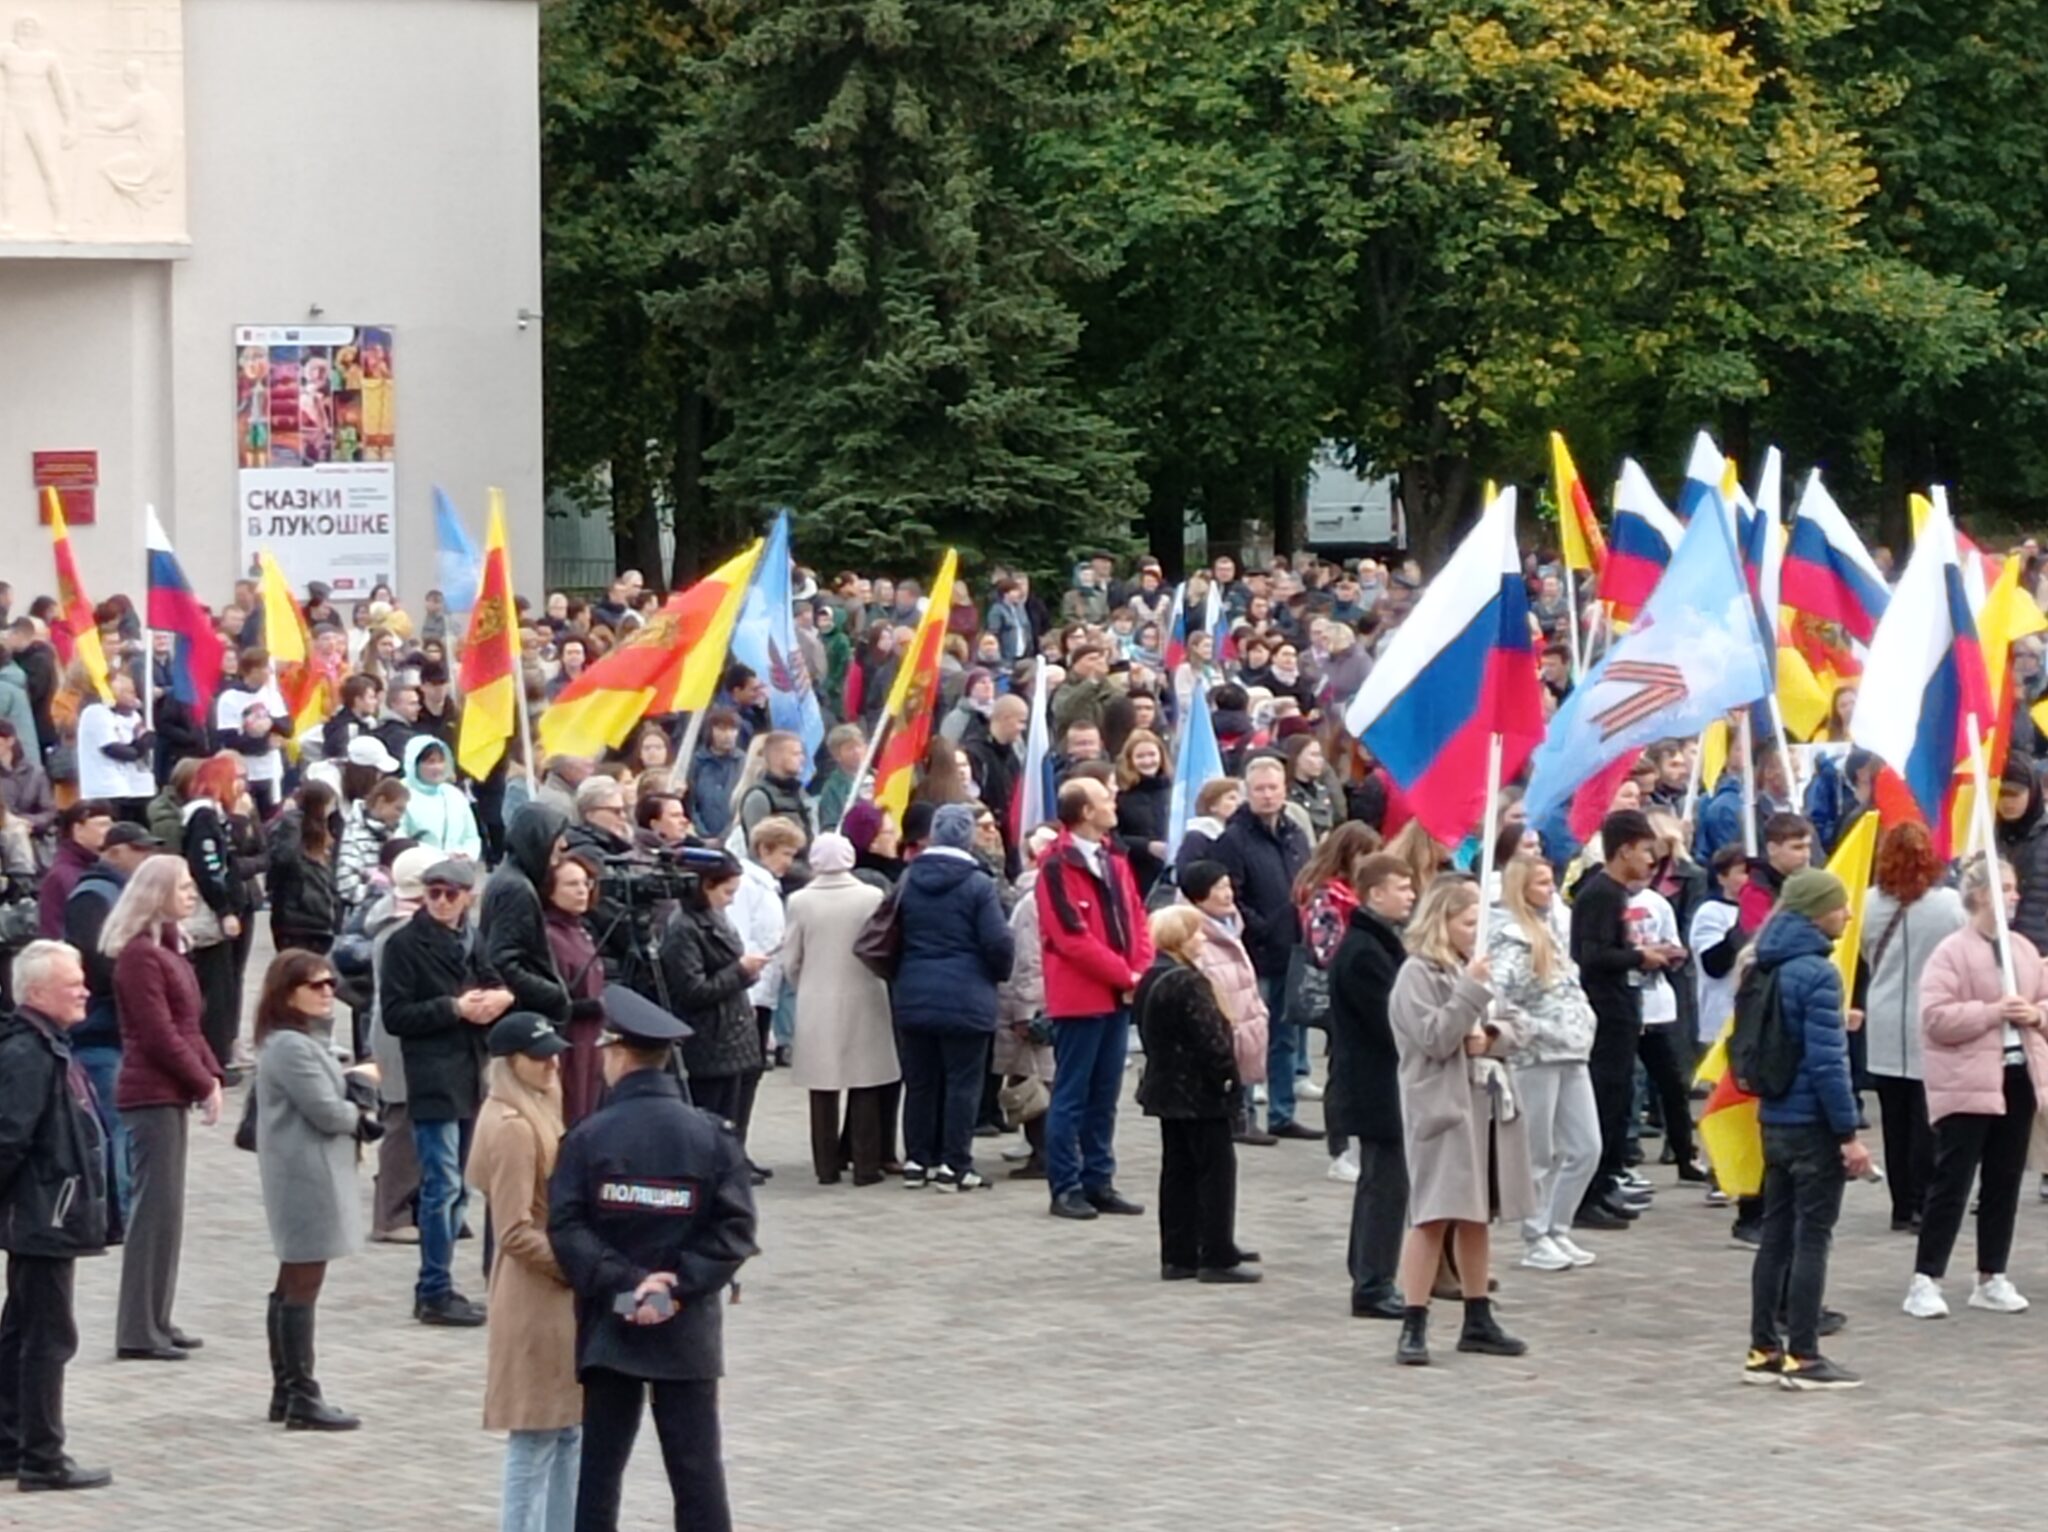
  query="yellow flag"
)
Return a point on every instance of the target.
[
  {"x": 490, "y": 675},
  {"x": 284, "y": 625},
  {"x": 1802, "y": 696},
  {"x": 1713, "y": 755},
  {"x": 1854, "y": 862}
]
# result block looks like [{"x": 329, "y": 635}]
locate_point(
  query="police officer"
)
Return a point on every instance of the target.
[{"x": 651, "y": 1213}]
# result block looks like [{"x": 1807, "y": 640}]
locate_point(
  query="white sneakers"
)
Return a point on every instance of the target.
[
  {"x": 1995, "y": 1294},
  {"x": 1923, "y": 1298},
  {"x": 1545, "y": 1256},
  {"x": 1998, "y": 1295},
  {"x": 1572, "y": 1251},
  {"x": 1344, "y": 1168},
  {"x": 1307, "y": 1089}
]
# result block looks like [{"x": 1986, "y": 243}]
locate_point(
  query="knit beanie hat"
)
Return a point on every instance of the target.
[
  {"x": 953, "y": 825},
  {"x": 831, "y": 853},
  {"x": 861, "y": 824},
  {"x": 1813, "y": 892}
]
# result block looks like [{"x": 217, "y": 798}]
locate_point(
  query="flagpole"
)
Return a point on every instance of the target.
[
  {"x": 1995, "y": 891},
  {"x": 1785, "y": 747},
  {"x": 527, "y": 743},
  {"x": 1491, "y": 822},
  {"x": 1744, "y": 734},
  {"x": 1692, "y": 784},
  {"x": 867, "y": 762},
  {"x": 1571, "y": 602}
]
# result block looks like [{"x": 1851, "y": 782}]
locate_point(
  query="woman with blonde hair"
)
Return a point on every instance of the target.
[
  {"x": 530, "y": 1388},
  {"x": 1144, "y": 804},
  {"x": 1190, "y": 1076},
  {"x": 1426, "y": 856},
  {"x": 1538, "y": 984},
  {"x": 1461, "y": 1125},
  {"x": 166, "y": 1070}
]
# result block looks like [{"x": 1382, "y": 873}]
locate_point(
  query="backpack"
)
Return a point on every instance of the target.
[{"x": 1763, "y": 1053}]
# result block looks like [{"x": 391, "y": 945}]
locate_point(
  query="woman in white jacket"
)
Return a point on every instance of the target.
[
  {"x": 757, "y": 914},
  {"x": 1535, "y": 978}
]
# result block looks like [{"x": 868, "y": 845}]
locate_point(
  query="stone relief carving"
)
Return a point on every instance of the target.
[{"x": 92, "y": 134}]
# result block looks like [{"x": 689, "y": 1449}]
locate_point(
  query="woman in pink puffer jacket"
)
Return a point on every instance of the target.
[{"x": 1985, "y": 1062}]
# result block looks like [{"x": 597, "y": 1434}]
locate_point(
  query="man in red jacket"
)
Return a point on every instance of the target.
[{"x": 1097, "y": 947}]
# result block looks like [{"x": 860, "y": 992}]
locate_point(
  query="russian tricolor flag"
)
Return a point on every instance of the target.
[
  {"x": 1177, "y": 636},
  {"x": 1705, "y": 474},
  {"x": 1639, "y": 543},
  {"x": 1828, "y": 571},
  {"x": 1460, "y": 670},
  {"x": 1924, "y": 678},
  {"x": 196, "y": 650}
]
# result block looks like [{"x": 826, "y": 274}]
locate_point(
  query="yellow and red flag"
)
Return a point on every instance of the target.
[
  {"x": 671, "y": 664},
  {"x": 1578, "y": 528},
  {"x": 914, "y": 698},
  {"x": 490, "y": 674},
  {"x": 74, "y": 633},
  {"x": 310, "y": 695},
  {"x": 1730, "y": 1131}
]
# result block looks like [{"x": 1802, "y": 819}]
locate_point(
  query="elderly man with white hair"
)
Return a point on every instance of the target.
[{"x": 53, "y": 1209}]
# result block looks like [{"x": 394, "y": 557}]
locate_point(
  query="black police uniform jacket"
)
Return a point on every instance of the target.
[{"x": 649, "y": 1183}]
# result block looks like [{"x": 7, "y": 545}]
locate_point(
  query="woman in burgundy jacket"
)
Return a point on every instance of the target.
[
  {"x": 567, "y": 895},
  {"x": 166, "y": 1070}
]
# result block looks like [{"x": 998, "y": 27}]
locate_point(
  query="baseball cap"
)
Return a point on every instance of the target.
[
  {"x": 525, "y": 1032},
  {"x": 125, "y": 834},
  {"x": 368, "y": 750}
]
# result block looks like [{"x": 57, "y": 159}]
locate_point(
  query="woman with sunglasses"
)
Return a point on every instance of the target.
[{"x": 309, "y": 1120}]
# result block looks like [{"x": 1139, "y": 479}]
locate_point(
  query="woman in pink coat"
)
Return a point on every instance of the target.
[{"x": 1985, "y": 1062}]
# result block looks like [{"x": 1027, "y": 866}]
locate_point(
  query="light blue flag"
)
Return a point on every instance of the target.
[
  {"x": 764, "y": 640},
  {"x": 457, "y": 563},
  {"x": 1693, "y": 654},
  {"x": 1200, "y": 762}
]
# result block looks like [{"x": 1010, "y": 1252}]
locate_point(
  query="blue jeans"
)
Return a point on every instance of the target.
[
  {"x": 1080, "y": 1127},
  {"x": 540, "y": 1480},
  {"x": 103, "y": 1067},
  {"x": 1282, "y": 1043},
  {"x": 783, "y": 1028},
  {"x": 443, "y": 1149}
]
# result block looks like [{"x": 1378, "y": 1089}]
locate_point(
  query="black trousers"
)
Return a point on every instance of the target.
[
  {"x": 38, "y": 1335},
  {"x": 1908, "y": 1143},
  {"x": 1612, "y": 1068},
  {"x": 1197, "y": 1192},
  {"x": 1379, "y": 1217},
  {"x": 685, "y": 1419},
  {"x": 220, "y": 994},
  {"x": 1658, "y": 1049},
  {"x": 861, "y": 1143},
  {"x": 942, "y": 1075},
  {"x": 1803, "y": 1181},
  {"x": 727, "y": 1096},
  {"x": 1962, "y": 1143}
]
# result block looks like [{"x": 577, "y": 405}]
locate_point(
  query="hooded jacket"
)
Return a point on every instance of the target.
[
  {"x": 438, "y": 814},
  {"x": 510, "y": 919},
  {"x": 1810, "y": 1005},
  {"x": 18, "y": 710},
  {"x": 956, "y": 945},
  {"x": 1097, "y": 945},
  {"x": 2024, "y": 843}
]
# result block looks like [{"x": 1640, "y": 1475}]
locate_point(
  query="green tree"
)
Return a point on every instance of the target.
[{"x": 849, "y": 241}]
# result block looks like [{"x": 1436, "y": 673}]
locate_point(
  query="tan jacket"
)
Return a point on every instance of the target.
[{"x": 531, "y": 1382}]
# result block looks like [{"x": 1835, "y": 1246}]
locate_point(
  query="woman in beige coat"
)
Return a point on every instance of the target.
[
  {"x": 1456, "y": 1099},
  {"x": 531, "y": 1389},
  {"x": 844, "y": 1040},
  {"x": 1018, "y": 1055}
]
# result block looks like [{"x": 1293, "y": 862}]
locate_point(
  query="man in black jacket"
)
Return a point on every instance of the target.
[
  {"x": 1611, "y": 967},
  {"x": 53, "y": 1209},
  {"x": 438, "y": 1000},
  {"x": 511, "y": 920},
  {"x": 991, "y": 746},
  {"x": 1264, "y": 850},
  {"x": 1364, "y": 1100}
]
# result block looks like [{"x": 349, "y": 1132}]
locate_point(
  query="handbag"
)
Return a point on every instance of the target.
[
  {"x": 879, "y": 946},
  {"x": 1307, "y": 991},
  {"x": 1023, "y": 1098},
  {"x": 245, "y": 1130}
]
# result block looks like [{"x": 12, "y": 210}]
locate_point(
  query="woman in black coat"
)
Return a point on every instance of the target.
[
  {"x": 708, "y": 971},
  {"x": 1144, "y": 805},
  {"x": 1190, "y": 1073},
  {"x": 1363, "y": 1100},
  {"x": 221, "y": 931},
  {"x": 304, "y": 910}
]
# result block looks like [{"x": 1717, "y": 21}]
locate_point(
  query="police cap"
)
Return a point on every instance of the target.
[{"x": 638, "y": 1020}]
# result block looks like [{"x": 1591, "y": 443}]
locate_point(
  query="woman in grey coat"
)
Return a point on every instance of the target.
[
  {"x": 309, "y": 1119},
  {"x": 1458, "y": 1115}
]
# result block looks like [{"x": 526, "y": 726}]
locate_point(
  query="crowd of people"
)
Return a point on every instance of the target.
[{"x": 478, "y": 980}]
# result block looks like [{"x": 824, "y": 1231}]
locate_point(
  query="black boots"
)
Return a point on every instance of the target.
[
  {"x": 1484, "y": 1334},
  {"x": 275, "y": 1332},
  {"x": 1412, "y": 1350},
  {"x": 304, "y": 1409}
]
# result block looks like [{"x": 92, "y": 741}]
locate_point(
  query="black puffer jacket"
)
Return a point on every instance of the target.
[
  {"x": 304, "y": 911},
  {"x": 1364, "y": 1096},
  {"x": 700, "y": 958},
  {"x": 53, "y": 1155},
  {"x": 1190, "y": 1069},
  {"x": 510, "y": 920},
  {"x": 2024, "y": 843}
]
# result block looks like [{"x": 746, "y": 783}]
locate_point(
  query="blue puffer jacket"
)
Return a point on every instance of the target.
[
  {"x": 1720, "y": 814},
  {"x": 956, "y": 946},
  {"x": 1810, "y": 1001}
]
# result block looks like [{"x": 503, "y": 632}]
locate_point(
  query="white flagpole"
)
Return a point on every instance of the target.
[
  {"x": 1571, "y": 601},
  {"x": 1492, "y": 818},
  {"x": 1791, "y": 762},
  {"x": 527, "y": 743},
  {"x": 1743, "y": 733},
  {"x": 1981, "y": 812},
  {"x": 1692, "y": 785}
]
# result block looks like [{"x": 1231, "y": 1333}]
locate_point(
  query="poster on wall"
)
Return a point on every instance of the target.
[{"x": 318, "y": 480}]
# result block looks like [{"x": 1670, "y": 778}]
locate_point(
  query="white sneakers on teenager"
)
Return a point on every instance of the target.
[
  {"x": 1545, "y": 1256},
  {"x": 1923, "y": 1298},
  {"x": 1307, "y": 1089},
  {"x": 1344, "y": 1168},
  {"x": 1998, "y": 1295}
]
